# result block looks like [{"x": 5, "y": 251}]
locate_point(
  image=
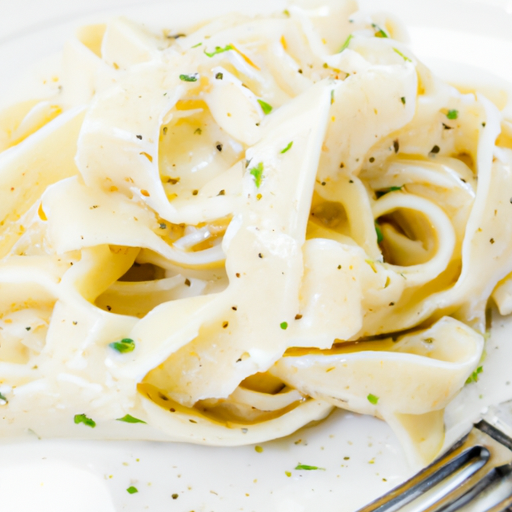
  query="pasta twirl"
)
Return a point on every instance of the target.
[{"x": 221, "y": 237}]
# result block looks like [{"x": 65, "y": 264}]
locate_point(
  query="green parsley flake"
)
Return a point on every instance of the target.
[
  {"x": 218, "y": 50},
  {"x": 380, "y": 193},
  {"x": 402, "y": 99},
  {"x": 402, "y": 55},
  {"x": 474, "y": 376},
  {"x": 259, "y": 449},
  {"x": 380, "y": 236},
  {"x": 257, "y": 172},
  {"x": 283, "y": 325},
  {"x": 196, "y": 45},
  {"x": 346, "y": 43},
  {"x": 305, "y": 467},
  {"x": 452, "y": 114},
  {"x": 132, "y": 490},
  {"x": 124, "y": 346},
  {"x": 130, "y": 419},
  {"x": 288, "y": 473},
  {"x": 3, "y": 400},
  {"x": 265, "y": 107},
  {"x": 190, "y": 78},
  {"x": 287, "y": 148},
  {"x": 82, "y": 418},
  {"x": 379, "y": 32},
  {"x": 373, "y": 399}
]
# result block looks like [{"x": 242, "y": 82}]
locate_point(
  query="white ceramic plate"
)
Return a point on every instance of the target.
[{"x": 361, "y": 456}]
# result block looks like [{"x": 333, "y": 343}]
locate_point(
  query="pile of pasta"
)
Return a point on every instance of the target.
[{"x": 218, "y": 237}]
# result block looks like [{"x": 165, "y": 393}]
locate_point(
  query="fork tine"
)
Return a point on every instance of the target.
[
  {"x": 459, "y": 456},
  {"x": 498, "y": 498},
  {"x": 452, "y": 481},
  {"x": 462, "y": 496},
  {"x": 502, "y": 506},
  {"x": 478, "y": 482}
]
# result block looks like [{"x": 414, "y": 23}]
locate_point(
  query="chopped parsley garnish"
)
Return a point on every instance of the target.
[
  {"x": 82, "y": 418},
  {"x": 132, "y": 490},
  {"x": 402, "y": 55},
  {"x": 305, "y": 467},
  {"x": 380, "y": 193},
  {"x": 196, "y": 45},
  {"x": 380, "y": 236},
  {"x": 259, "y": 449},
  {"x": 287, "y": 148},
  {"x": 123, "y": 346},
  {"x": 190, "y": 78},
  {"x": 257, "y": 172},
  {"x": 218, "y": 50},
  {"x": 3, "y": 399},
  {"x": 452, "y": 114},
  {"x": 265, "y": 107},
  {"x": 346, "y": 43},
  {"x": 402, "y": 99},
  {"x": 283, "y": 325},
  {"x": 219, "y": 76},
  {"x": 474, "y": 376},
  {"x": 379, "y": 32},
  {"x": 435, "y": 150},
  {"x": 373, "y": 399},
  {"x": 128, "y": 418}
]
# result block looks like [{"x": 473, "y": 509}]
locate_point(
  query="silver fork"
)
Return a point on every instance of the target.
[{"x": 474, "y": 475}]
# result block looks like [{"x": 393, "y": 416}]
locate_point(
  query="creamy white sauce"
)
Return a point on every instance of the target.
[{"x": 95, "y": 475}]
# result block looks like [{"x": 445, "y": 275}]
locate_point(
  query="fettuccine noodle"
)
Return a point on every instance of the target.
[{"x": 220, "y": 237}]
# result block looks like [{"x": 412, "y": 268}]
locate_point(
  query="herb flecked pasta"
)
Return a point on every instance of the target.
[{"x": 218, "y": 238}]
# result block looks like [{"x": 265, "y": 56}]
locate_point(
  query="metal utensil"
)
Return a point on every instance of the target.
[{"x": 474, "y": 475}]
